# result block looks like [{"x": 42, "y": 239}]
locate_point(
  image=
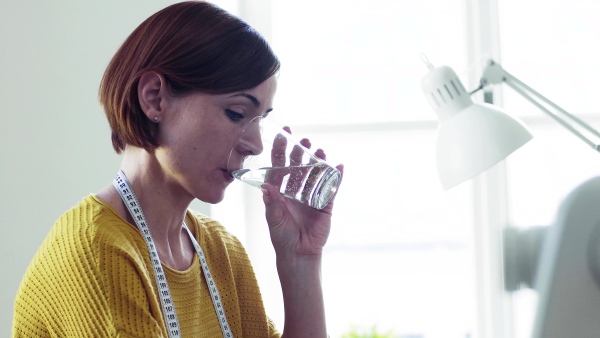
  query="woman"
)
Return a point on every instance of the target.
[{"x": 132, "y": 260}]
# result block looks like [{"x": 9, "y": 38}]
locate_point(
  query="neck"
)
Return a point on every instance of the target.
[{"x": 163, "y": 201}]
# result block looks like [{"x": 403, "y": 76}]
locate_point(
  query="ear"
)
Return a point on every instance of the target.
[{"x": 152, "y": 91}]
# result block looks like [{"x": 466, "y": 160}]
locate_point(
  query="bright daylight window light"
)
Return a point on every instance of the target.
[
  {"x": 472, "y": 138},
  {"x": 347, "y": 59}
]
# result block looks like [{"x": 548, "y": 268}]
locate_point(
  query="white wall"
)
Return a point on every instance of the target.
[{"x": 54, "y": 139}]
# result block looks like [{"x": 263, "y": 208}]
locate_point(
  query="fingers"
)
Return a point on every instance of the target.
[
  {"x": 312, "y": 178},
  {"x": 294, "y": 171},
  {"x": 278, "y": 151},
  {"x": 278, "y": 159},
  {"x": 320, "y": 153},
  {"x": 297, "y": 154},
  {"x": 273, "y": 203},
  {"x": 299, "y": 169}
]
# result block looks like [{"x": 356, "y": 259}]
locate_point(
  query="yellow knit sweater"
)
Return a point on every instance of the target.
[{"x": 92, "y": 277}]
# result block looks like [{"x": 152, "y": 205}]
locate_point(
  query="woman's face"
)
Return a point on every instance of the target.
[{"x": 198, "y": 132}]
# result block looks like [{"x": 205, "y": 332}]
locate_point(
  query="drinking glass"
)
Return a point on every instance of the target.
[{"x": 267, "y": 153}]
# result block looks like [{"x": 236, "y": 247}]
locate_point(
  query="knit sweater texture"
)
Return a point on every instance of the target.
[{"x": 92, "y": 277}]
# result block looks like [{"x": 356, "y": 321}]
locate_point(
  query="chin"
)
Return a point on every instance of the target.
[{"x": 212, "y": 198}]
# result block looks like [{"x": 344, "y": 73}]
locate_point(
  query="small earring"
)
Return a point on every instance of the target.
[{"x": 155, "y": 118}]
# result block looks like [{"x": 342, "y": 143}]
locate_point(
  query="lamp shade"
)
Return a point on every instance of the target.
[
  {"x": 475, "y": 139},
  {"x": 471, "y": 137}
]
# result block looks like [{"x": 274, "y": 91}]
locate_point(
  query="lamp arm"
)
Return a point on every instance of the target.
[{"x": 495, "y": 74}]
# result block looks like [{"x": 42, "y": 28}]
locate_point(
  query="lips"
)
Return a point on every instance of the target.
[
  {"x": 232, "y": 170},
  {"x": 227, "y": 175}
]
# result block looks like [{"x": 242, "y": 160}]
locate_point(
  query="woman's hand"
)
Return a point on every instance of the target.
[
  {"x": 298, "y": 233},
  {"x": 295, "y": 228}
]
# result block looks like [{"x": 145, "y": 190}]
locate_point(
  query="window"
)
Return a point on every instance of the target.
[
  {"x": 550, "y": 46},
  {"x": 400, "y": 254},
  {"x": 403, "y": 255}
]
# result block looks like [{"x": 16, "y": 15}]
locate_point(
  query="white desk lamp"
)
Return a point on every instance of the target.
[{"x": 472, "y": 137}]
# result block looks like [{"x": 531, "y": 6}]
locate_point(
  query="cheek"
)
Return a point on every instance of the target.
[
  {"x": 211, "y": 147},
  {"x": 203, "y": 146}
]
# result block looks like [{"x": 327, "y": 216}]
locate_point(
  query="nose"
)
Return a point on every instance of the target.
[{"x": 250, "y": 142}]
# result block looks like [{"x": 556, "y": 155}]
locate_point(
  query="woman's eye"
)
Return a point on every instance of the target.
[{"x": 233, "y": 115}]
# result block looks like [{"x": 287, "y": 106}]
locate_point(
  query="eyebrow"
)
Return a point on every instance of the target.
[{"x": 252, "y": 99}]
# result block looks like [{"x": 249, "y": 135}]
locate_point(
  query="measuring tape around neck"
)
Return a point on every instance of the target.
[{"x": 166, "y": 300}]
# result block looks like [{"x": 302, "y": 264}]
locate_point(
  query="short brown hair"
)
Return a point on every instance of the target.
[{"x": 197, "y": 47}]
